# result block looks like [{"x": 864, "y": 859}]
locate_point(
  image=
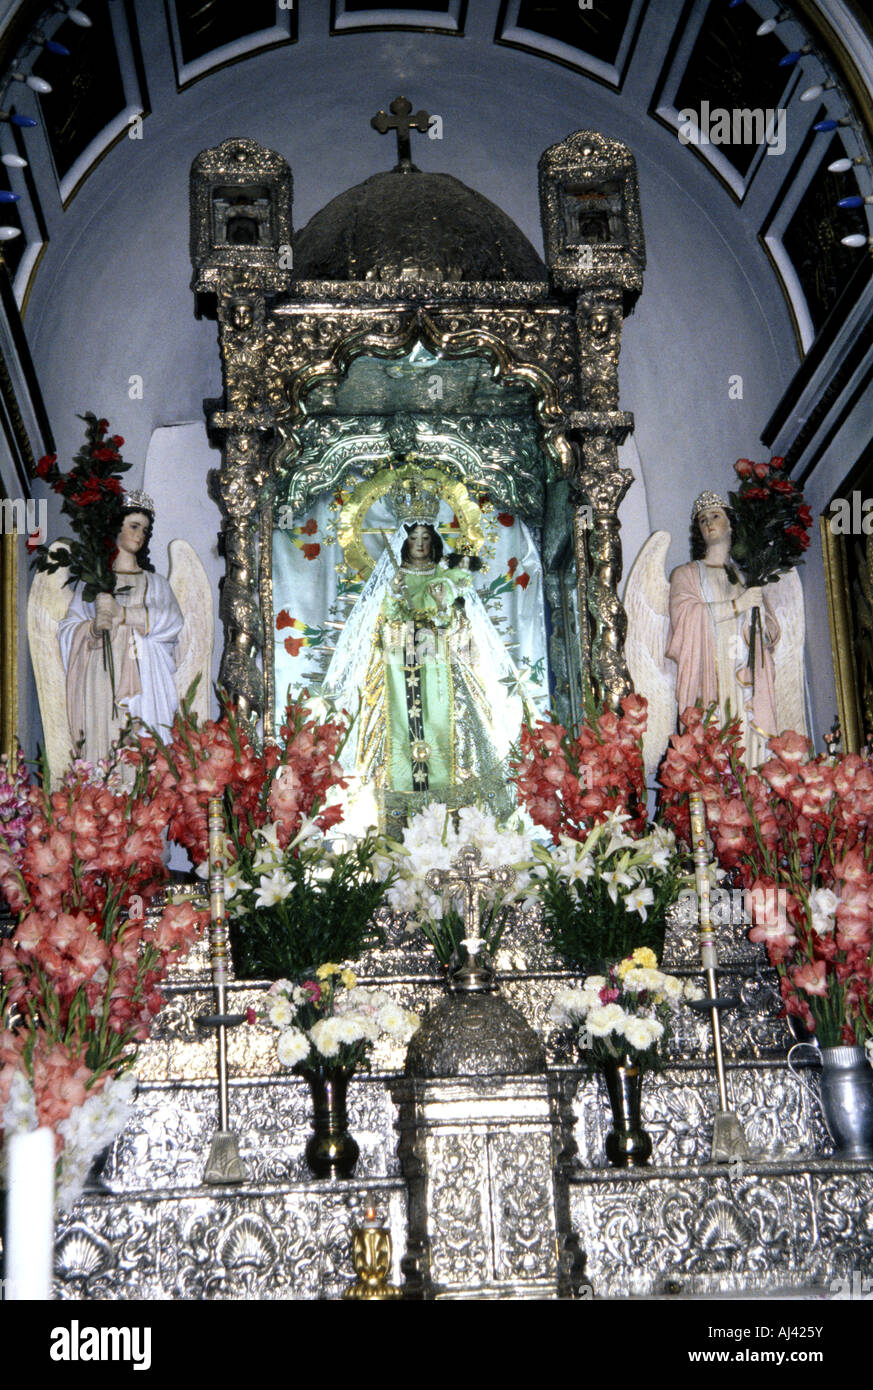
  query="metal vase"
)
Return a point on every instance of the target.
[
  {"x": 847, "y": 1100},
  {"x": 331, "y": 1152},
  {"x": 627, "y": 1144}
]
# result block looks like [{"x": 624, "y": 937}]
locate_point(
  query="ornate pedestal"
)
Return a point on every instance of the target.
[{"x": 488, "y": 1205}]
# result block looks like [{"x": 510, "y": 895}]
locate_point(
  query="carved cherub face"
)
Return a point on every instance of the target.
[
  {"x": 714, "y": 524},
  {"x": 134, "y": 532}
]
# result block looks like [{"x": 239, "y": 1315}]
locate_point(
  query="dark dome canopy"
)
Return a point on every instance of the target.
[{"x": 405, "y": 224}]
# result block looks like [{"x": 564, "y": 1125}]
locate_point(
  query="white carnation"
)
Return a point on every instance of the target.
[
  {"x": 568, "y": 1006},
  {"x": 292, "y": 1047},
  {"x": 280, "y": 1013},
  {"x": 397, "y": 1022},
  {"x": 610, "y": 1018},
  {"x": 325, "y": 1038},
  {"x": 642, "y": 1032}
]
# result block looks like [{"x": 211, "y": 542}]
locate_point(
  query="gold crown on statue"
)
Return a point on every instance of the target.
[
  {"x": 707, "y": 500},
  {"x": 413, "y": 500},
  {"x": 138, "y": 499}
]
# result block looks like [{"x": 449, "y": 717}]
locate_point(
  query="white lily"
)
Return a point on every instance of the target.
[
  {"x": 638, "y": 900},
  {"x": 273, "y": 888}
]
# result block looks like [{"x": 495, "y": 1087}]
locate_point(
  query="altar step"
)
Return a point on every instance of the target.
[
  {"x": 803, "y": 1224},
  {"x": 799, "y": 1228},
  {"x": 263, "y": 1241}
]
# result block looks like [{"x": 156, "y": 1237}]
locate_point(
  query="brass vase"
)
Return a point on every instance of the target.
[
  {"x": 627, "y": 1143},
  {"x": 331, "y": 1152}
]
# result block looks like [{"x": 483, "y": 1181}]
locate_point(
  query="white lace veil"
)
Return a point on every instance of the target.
[{"x": 344, "y": 677}]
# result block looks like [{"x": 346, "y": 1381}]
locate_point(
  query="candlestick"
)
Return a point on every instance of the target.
[
  {"x": 224, "y": 1164},
  {"x": 728, "y": 1139},
  {"x": 30, "y": 1214}
]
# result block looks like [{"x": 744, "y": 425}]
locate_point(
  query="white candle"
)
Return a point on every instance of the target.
[{"x": 30, "y": 1214}]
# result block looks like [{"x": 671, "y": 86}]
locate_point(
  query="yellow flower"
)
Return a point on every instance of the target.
[
  {"x": 644, "y": 956},
  {"x": 348, "y": 978},
  {"x": 624, "y": 966},
  {"x": 324, "y": 972}
]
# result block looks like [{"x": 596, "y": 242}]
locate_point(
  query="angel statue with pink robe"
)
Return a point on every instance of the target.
[{"x": 688, "y": 639}]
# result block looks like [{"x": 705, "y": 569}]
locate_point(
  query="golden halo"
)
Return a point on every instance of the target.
[{"x": 350, "y": 527}]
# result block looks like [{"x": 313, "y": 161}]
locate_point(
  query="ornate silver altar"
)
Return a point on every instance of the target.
[
  {"x": 790, "y": 1218},
  {"x": 499, "y": 1186}
]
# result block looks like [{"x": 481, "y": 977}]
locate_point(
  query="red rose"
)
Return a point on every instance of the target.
[
  {"x": 105, "y": 455},
  {"x": 117, "y": 440},
  {"x": 798, "y": 535},
  {"x": 102, "y": 426},
  {"x": 112, "y": 485},
  {"x": 743, "y": 468},
  {"x": 758, "y": 494},
  {"x": 760, "y": 470},
  {"x": 777, "y": 462},
  {"x": 782, "y": 485},
  {"x": 45, "y": 465},
  {"x": 804, "y": 516},
  {"x": 505, "y": 518}
]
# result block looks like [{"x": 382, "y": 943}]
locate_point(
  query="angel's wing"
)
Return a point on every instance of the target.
[
  {"x": 647, "y": 602},
  {"x": 47, "y": 604},
  {"x": 785, "y": 598},
  {"x": 187, "y": 579}
]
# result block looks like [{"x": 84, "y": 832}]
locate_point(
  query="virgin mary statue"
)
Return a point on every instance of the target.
[{"x": 438, "y": 711}]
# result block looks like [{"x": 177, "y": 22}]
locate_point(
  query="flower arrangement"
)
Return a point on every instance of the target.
[
  {"x": 80, "y": 976},
  {"x": 609, "y": 893},
  {"x": 433, "y": 839},
  {"x": 568, "y": 784},
  {"x": 290, "y": 906},
  {"x": 292, "y": 898},
  {"x": 771, "y": 528},
  {"x": 626, "y": 1012},
  {"x": 798, "y": 836},
  {"x": 327, "y": 1022},
  {"x": 606, "y": 886}
]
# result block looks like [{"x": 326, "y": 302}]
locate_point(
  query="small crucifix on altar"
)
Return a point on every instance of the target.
[
  {"x": 403, "y": 122},
  {"x": 465, "y": 878}
]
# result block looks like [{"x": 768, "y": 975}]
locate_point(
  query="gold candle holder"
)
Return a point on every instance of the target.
[{"x": 371, "y": 1249}]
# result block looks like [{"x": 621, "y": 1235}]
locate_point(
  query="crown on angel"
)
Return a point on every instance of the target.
[
  {"x": 138, "y": 499},
  {"x": 413, "y": 500},
  {"x": 707, "y": 500}
]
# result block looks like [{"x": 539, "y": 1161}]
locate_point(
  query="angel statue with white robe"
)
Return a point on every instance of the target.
[
  {"x": 688, "y": 639},
  {"x": 160, "y": 632}
]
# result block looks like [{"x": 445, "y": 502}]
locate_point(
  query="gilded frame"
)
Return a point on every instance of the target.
[
  {"x": 841, "y": 625},
  {"x": 393, "y": 337}
]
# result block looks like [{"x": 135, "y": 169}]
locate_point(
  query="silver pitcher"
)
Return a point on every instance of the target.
[{"x": 846, "y": 1097}]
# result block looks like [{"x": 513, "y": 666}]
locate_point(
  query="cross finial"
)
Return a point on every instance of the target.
[
  {"x": 402, "y": 122},
  {"x": 466, "y": 875}
]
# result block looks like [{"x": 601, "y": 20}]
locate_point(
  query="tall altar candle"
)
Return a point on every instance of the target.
[{"x": 30, "y": 1214}]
